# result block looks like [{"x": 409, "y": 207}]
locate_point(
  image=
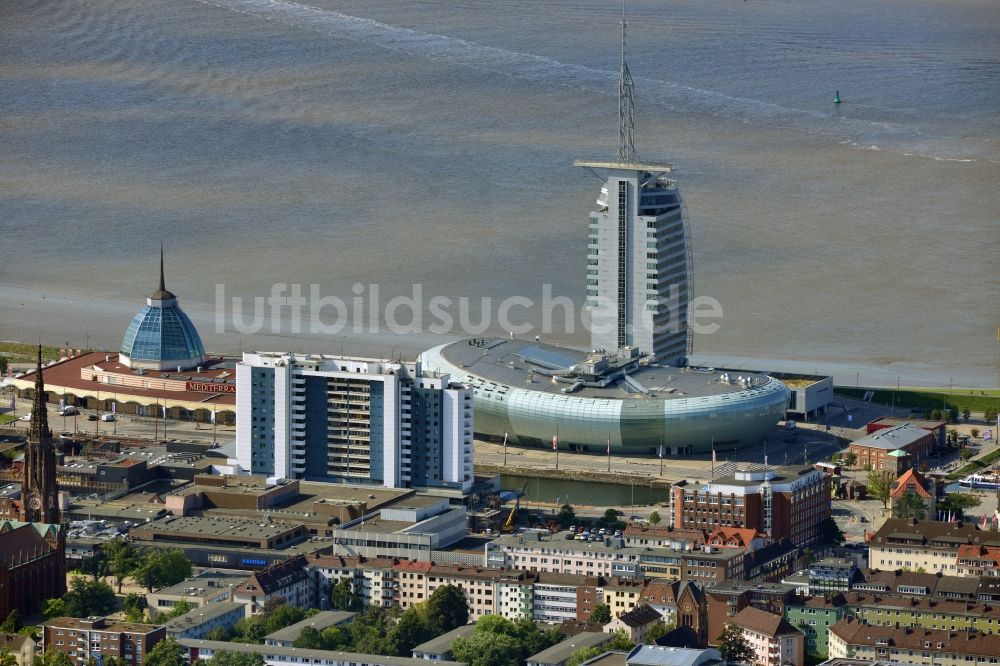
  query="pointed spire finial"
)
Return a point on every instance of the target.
[
  {"x": 626, "y": 106},
  {"x": 39, "y": 428},
  {"x": 161, "y": 293}
]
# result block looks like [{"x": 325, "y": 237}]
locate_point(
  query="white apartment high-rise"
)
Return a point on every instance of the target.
[
  {"x": 333, "y": 418},
  {"x": 638, "y": 250}
]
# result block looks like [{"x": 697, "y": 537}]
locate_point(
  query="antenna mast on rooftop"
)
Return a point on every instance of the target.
[{"x": 626, "y": 106}]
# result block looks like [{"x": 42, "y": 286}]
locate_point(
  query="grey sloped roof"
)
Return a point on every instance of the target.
[
  {"x": 319, "y": 621},
  {"x": 442, "y": 644},
  {"x": 559, "y": 653}
]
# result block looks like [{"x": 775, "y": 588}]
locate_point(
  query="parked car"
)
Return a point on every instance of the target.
[
  {"x": 91, "y": 417},
  {"x": 68, "y": 410},
  {"x": 107, "y": 417}
]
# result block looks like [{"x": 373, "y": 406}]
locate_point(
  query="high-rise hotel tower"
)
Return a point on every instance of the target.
[
  {"x": 639, "y": 258},
  {"x": 352, "y": 420}
]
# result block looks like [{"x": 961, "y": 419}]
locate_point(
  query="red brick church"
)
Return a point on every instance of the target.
[{"x": 32, "y": 536}]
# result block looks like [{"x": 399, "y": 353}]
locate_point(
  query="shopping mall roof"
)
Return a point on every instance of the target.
[{"x": 532, "y": 365}]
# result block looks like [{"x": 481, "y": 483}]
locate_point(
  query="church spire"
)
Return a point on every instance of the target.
[
  {"x": 39, "y": 412},
  {"x": 39, "y": 488}
]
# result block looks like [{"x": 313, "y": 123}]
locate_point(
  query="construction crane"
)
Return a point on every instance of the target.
[{"x": 508, "y": 525}]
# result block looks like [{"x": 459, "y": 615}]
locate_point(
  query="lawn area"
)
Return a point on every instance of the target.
[
  {"x": 976, "y": 400},
  {"x": 20, "y": 351},
  {"x": 6, "y": 419}
]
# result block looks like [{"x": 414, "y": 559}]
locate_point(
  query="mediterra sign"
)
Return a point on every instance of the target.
[{"x": 209, "y": 387}]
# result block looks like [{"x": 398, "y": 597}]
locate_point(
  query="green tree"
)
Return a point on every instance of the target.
[
  {"x": 281, "y": 616},
  {"x": 523, "y": 632},
  {"x": 959, "y": 502},
  {"x": 88, "y": 597},
  {"x": 53, "y": 608},
  {"x": 611, "y": 515},
  {"x": 249, "y": 630},
  {"x": 620, "y": 642},
  {"x": 974, "y": 432},
  {"x": 583, "y": 654},
  {"x": 990, "y": 415},
  {"x": 226, "y": 658},
  {"x": 6, "y": 657},
  {"x": 601, "y": 614},
  {"x": 369, "y": 633},
  {"x": 182, "y": 607},
  {"x": 53, "y": 657},
  {"x": 566, "y": 516},
  {"x": 13, "y": 623},
  {"x": 335, "y": 638},
  {"x": 447, "y": 609},
  {"x": 161, "y": 568},
  {"x": 880, "y": 485},
  {"x": 733, "y": 645},
  {"x": 831, "y": 532},
  {"x": 658, "y": 629},
  {"x": 342, "y": 596},
  {"x": 654, "y": 518},
  {"x": 167, "y": 652},
  {"x": 966, "y": 454},
  {"x": 222, "y": 634},
  {"x": 909, "y": 505},
  {"x": 310, "y": 638},
  {"x": 484, "y": 648},
  {"x": 966, "y": 414},
  {"x": 135, "y": 606},
  {"x": 851, "y": 459},
  {"x": 120, "y": 558},
  {"x": 412, "y": 629}
]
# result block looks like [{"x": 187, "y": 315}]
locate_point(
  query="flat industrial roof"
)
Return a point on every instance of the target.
[
  {"x": 207, "y": 582},
  {"x": 508, "y": 362},
  {"x": 219, "y": 526}
]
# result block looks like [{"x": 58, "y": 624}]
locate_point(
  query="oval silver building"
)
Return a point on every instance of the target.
[{"x": 532, "y": 392}]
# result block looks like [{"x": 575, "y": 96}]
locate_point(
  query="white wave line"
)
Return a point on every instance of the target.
[
  {"x": 516, "y": 64},
  {"x": 535, "y": 68}
]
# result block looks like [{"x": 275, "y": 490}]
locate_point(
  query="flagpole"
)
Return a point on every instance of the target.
[
  {"x": 609, "y": 450},
  {"x": 713, "y": 458},
  {"x": 505, "y": 449}
]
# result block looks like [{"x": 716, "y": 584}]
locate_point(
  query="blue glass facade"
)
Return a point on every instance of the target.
[
  {"x": 161, "y": 335},
  {"x": 262, "y": 422}
]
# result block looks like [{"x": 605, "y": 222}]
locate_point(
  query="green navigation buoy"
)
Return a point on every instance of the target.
[{"x": 836, "y": 97}]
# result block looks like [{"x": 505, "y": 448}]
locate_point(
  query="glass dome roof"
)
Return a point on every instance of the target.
[{"x": 160, "y": 335}]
